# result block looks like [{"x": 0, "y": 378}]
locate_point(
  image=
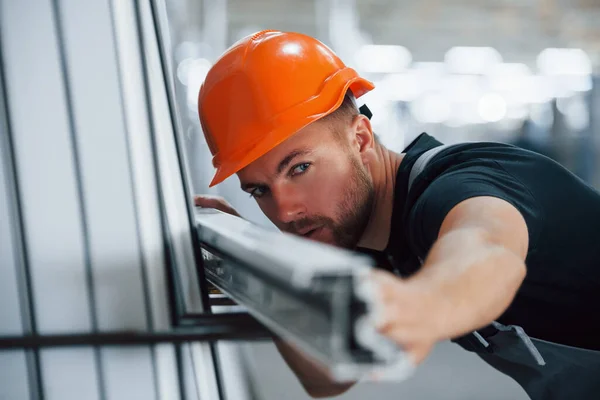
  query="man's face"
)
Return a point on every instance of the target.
[{"x": 313, "y": 185}]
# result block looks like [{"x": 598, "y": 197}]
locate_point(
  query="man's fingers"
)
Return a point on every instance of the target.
[
  {"x": 206, "y": 202},
  {"x": 418, "y": 353},
  {"x": 199, "y": 201},
  {"x": 219, "y": 203}
]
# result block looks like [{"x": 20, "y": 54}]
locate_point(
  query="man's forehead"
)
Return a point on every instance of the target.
[
  {"x": 271, "y": 162},
  {"x": 306, "y": 140}
]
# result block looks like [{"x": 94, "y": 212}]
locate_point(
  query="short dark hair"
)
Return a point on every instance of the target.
[{"x": 344, "y": 113}]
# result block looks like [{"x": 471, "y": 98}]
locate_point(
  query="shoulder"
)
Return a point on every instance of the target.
[
  {"x": 472, "y": 178},
  {"x": 463, "y": 181}
]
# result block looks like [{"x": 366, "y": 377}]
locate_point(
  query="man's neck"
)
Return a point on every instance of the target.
[{"x": 383, "y": 172}]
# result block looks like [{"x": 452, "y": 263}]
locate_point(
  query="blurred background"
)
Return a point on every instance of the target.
[{"x": 517, "y": 71}]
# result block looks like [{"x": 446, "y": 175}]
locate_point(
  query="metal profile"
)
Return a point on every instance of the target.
[{"x": 307, "y": 293}]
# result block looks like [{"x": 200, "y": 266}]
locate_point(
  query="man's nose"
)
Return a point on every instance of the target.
[{"x": 289, "y": 203}]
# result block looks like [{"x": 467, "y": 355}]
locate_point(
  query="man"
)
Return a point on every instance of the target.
[{"x": 490, "y": 242}]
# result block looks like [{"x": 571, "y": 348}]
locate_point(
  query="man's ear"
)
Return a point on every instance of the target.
[{"x": 364, "y": 137}]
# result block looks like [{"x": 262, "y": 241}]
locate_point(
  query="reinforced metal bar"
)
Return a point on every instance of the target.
[
  {"x": 308, "y": 293},
  {"x": 207, "y": 327}
]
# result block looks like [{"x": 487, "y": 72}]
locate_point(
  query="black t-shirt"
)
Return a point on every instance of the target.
[{"x": 559, "y": 300}]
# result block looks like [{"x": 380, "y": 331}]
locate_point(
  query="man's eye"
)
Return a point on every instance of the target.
[
  {"x": 300, "y": 168},
  {"x": 257, "y": 192}
]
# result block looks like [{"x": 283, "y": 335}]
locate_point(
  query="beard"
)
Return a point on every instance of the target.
[{"x": 352, "y": 215}]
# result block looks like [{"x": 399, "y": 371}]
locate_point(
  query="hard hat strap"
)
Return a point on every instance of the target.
[{"x": 364, "y": 110}]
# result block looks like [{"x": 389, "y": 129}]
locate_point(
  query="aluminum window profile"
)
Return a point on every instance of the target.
[
  {"x": 177, "y": 221},
  {"x": 168, "y": 363},
  {"x": 208, "y": 376},
  {"x": 181, "y": 273},
  {"x": 171, "y": 182},
  {"x": 308, "y": 293},
  {"x": 22, "y": 378}
]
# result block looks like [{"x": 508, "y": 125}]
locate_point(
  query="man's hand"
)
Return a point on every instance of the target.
[
  {"x": 409, "y": 316},
  {"x": 469, "y": 278},
  {"x": 219, "y": 203}
]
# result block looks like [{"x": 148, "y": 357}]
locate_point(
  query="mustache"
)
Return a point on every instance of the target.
[{"x": 301, "y": 224}]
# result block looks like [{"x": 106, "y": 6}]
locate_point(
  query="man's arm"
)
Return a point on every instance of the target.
[
  {"x": 469, "y": 278},
  {"x": 313, "y": 377}
]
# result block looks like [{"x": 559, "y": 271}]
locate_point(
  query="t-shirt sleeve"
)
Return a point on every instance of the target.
[{"x": 451, "y": 188}]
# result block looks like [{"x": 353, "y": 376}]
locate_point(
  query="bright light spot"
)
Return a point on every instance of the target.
[
  {"x": 462, "y": 114},
  {"x": 183, "y": 69},
  {"x": 517, "y": 111},
  {"x": 578, "y": 118},
  {"x": 563, "y": 104},
  {"x": 508, "y": 77},
  {"x": 196, "y": 73},
  {"x": 472, "y": 60},
  {"x": 581, "y": 83},
  {"x": 401, "y": 87},
  {"x": 510, "y": 69},
  {"x": 541, "y": 115},
  {"x": 430, "y": 75},
  {"x": 185, "y": 50},
  {"x": 462, "y": 88},
  {"x": 430, "y": 67},
  {"x": 373, "y": 58},
  {"x": 292, "y": 48},
  {"x": 564, "y": 62},
  {"x": 509, "y": 125},
  {"x": 467, "y": 113},
  {"x": 567, "y": 84},
  {"x": 432, "y": 109},
  {"x": 536, "y": 90},
  {"x": 192, "y": 70},
  {"x": 561, "y": 87},
  {"x": 492, "y": 107},
  {"x": 193, "y": 50},
  {"x": 576, "y": 113}
]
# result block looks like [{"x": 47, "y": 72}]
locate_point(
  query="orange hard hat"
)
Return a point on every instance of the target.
[{"x": 265, "y": 88}]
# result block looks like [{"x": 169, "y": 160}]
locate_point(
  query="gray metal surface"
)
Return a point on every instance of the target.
[
  {"x": 170, "y": 175},
  {"x": 143, "y": 184},
  {"x": 14, "y": 373},
  {"x": 45, "y": 159},
  {"x": 104, "y": 166},
  {"x": 10, "y": 259},
  {"x": 174, "y": 198},
  {"x": 84, "y": 146},
  {"x": 106, "y": 190}
]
